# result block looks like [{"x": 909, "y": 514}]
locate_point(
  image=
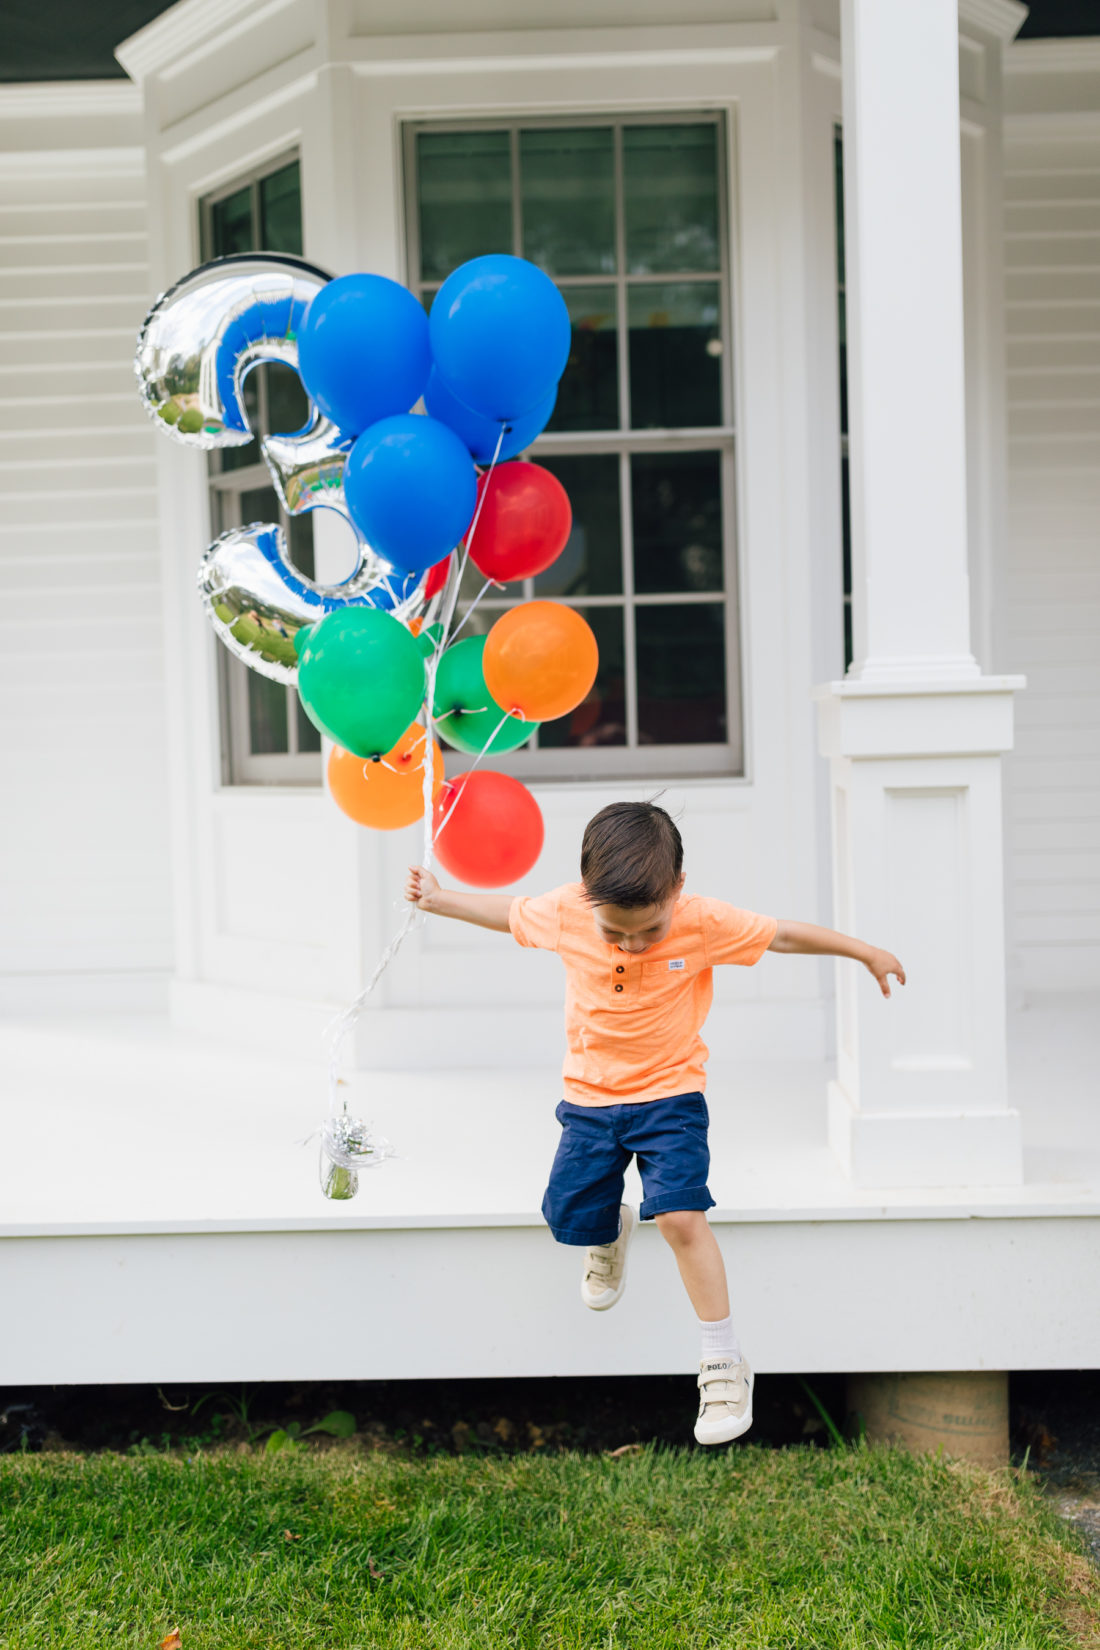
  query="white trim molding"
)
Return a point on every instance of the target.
[
  {"x": 1000, "y": 18},
  {"x": 72, "y": 163},
  {"x": 1050, "y": 126},
  {"x": 1078, "y": 56},
  {"x": 179, "y": 30},
  {"x": 59, "y": 99}
]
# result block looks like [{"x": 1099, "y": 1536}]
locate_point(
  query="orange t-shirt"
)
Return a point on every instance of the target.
[{"x": 632, "y": 1020}]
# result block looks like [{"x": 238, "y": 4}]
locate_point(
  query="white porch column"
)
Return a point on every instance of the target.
[{"x": 914, "y": 733}]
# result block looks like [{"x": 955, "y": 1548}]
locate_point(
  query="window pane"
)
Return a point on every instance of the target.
[
  {"x": 287, "y": 401},
  {"x": 259, "y": 504},
  {"x": 675, "y": 356},
  {"x": 842, "y": 322},
  {"x": 838, "y": 170},
  {"x": 670, "y": 197},
  {"x": 568, "y": 193},
  {"x": 846, "y": 523},
  {"x": 600, "y": 719},
  {"x": 267, "y": 730},
  {"x": 239, "y": 458},
  {"x": 484, "y": 615},
  {"x": 308, "y": 737},
  {"x": 588, "y": 395},
  {"x": 681, "y": 674},
  {"x": 231, "y": 224},
  {"x": 465, "y": 185},
  {"x": 677, "y": 501},
  {"x": 281, "y": 210},
  {"x": 300, "y": 539},
  {"x": 592, "y": 562}
]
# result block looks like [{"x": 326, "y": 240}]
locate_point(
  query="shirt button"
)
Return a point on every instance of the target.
[
  {"x": 618, "y": 988},
  {"x": 619, "y": 968}
]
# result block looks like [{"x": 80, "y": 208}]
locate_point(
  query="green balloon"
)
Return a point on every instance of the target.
[
  {"x": 361, "y": 679},
  {"x": 464, "y": 710},
  {"x": 429, "y": 639}
]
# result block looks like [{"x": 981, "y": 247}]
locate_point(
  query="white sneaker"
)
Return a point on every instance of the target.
[
  {"x": 604, "y": 1277},
  {"x": 725, "y": 1400}
]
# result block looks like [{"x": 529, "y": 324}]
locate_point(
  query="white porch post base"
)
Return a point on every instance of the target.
[
  {"x": 915, "y": 1149},
  {"x": 920, "y": 1097}
]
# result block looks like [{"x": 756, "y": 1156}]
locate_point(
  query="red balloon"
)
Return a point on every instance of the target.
[
  {"x": 494, "y": 833},
  {"x": 437, "y": 577},
  {"x": 525, "y": 520}
]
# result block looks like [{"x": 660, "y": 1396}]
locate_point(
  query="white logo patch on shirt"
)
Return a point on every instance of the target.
[{"x": 678, "y": 963}]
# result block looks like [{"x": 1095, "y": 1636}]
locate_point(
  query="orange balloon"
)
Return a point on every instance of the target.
[
  {"x": 388, "y": 793},
  {"x": 540, "y": 660}
]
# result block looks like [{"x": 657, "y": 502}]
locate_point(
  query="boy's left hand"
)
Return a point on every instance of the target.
[{"x": 882, "y": 964}]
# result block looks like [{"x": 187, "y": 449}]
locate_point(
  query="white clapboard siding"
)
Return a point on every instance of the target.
[
  {"x": 1050, "y": 623},
  {"x": 85, "y": 869}
]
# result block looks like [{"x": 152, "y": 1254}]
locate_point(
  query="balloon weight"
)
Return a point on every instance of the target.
[
  {"x": 465, "y": 712},
  {"x": 495, "y": 832},
  {"x": 540, "y": 660},
  {"x": 389, "y": 793},
  {"x": 361, "y": 679},
  {"x": 524, "y": 522}
]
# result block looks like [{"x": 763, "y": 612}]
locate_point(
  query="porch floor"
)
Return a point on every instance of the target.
[
  {"x": 127, "y": 1125},
  {"x": 160, "y": 1220}
]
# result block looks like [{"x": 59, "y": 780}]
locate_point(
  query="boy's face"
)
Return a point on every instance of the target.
[{"x": 636, "y": 928}]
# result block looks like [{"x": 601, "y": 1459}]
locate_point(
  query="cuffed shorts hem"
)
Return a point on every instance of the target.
[
  {"x": 586, "y": 1237},
  {"x": 692, "y": 1197},
  {"x": 585, "y": 1240}
]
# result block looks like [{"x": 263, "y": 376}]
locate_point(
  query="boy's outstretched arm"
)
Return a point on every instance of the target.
[
  {"x": 486, "y": 910},
  {"x": 825, "y": 942}
]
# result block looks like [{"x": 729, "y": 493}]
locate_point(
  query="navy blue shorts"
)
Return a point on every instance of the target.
[{"x": 669, "y": 1139}]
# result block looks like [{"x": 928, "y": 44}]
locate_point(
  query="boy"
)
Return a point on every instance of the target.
[{"x": 638, "y": 956}]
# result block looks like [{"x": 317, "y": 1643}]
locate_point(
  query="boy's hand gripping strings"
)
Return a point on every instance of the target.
[{"x": 485, "y": 910}]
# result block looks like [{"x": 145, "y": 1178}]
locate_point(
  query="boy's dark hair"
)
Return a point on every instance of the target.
[{"x": 631, "y": 856}]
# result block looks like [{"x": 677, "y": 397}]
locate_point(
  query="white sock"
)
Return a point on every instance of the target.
[{"x": 719, "y": 1340}]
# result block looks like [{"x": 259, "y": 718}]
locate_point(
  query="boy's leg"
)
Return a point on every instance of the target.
[
  {"x": 582, "y": 1199},
  {"x": 688, "y": 1234},
  {"x": 725, "y": 1379},
  {"x": 674, "y": 1160}
]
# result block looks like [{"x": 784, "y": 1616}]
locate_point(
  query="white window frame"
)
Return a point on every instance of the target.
[
  {"x": 636, "y": 761},
  {"x": 239, "y": 766}
]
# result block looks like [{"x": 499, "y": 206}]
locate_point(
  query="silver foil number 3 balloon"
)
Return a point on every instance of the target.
[{"x": 198, "y": 343}]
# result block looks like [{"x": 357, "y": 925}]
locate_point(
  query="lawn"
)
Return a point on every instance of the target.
[{"x": 850, "y": 1548}]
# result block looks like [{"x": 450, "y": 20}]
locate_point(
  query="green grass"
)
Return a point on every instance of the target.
[{"x": 850, "y": 1549}]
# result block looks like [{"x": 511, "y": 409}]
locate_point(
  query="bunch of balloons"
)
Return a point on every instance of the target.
[{"x": 374, "y": 672}]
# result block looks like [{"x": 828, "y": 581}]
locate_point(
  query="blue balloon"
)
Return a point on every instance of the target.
[
  {"x": 481, "y": 434},
  {"x": 411, "y": 488},
  {"x": 396, "y": 589},
  {"x": 363, "y": 350},
  {"x": 500, "y": 335}
]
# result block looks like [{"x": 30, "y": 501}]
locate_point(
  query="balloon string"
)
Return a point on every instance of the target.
[
  {"x": 446, "y": 637},
  {"x": 473, "y": 604},
  {"x": 470, "y": 770},
  {"x": 344, "y": 1023}
]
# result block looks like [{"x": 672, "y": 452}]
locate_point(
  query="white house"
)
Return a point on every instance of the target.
[{"x": 857, "y": 646}]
